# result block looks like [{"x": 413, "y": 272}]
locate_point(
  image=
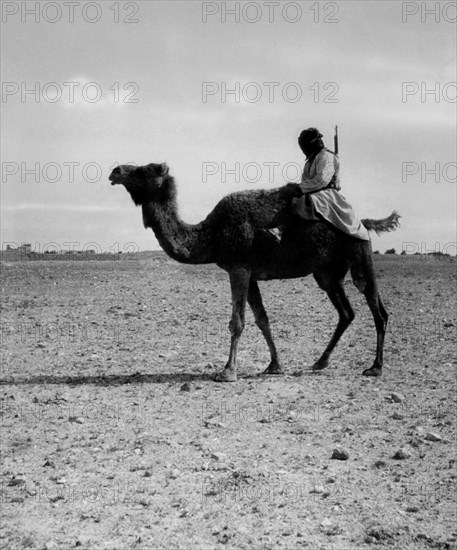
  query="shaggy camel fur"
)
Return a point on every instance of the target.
[{"x": 235, "y": 236}]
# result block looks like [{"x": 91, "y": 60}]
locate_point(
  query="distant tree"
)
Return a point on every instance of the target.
[
  {"x": 437, "y": 253},
  {"x": 403, "y": 253},
  {"x": 390, "y": 251},
  {"x": 376, "y": 252}
]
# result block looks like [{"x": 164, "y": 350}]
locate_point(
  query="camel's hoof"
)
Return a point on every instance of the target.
[
  {"x": 274, "y": 369},
  {"x": 374, "y": 371},
  {"x": 226, "y": 376},
  {"x": 319, "y": 365}
]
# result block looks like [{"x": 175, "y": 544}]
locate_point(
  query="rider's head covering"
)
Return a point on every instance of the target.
[{"x": 309, "y": 136}]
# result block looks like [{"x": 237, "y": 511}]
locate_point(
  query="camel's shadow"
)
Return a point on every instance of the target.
[{"x": 109, "y": 380}]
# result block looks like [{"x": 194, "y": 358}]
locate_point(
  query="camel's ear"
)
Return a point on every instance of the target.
[{"x": 164, "y": 169}]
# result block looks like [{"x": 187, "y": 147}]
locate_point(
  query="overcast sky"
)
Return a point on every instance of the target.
[{"x": 364, "y": 65}]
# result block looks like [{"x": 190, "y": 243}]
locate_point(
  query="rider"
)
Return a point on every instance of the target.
[{"x": 320, "y": 184}]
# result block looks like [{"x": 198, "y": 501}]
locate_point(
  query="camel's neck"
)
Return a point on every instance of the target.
[{"x": 181, "y": 241}]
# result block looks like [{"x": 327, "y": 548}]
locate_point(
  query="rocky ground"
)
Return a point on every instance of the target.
[{"x": 114, "y": 435}]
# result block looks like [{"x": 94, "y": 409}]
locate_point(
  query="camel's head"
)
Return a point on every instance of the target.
[{"x": 144, "y": 183}]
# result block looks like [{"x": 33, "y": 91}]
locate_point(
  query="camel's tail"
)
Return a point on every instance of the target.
[{"x": 380, "y": 226}]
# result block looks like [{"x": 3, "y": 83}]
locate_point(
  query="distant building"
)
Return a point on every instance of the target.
[{"x": 26, "y": 248}]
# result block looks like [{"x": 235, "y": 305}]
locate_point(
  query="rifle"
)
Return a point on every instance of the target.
[{"x": 335, "y": 146}]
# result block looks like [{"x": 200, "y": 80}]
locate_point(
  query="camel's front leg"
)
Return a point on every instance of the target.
[
  {"x": 239, "y": 282},
  {"x": 261, "y": 319}
]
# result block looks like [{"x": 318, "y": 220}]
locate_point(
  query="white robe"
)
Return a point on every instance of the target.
[{"x": 329, "y": 203}]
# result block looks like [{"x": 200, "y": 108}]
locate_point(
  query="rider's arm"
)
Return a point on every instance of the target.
[{"x": 325, "y": 170}]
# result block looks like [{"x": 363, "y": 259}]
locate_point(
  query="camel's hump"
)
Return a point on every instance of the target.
[{"x": 259, "y": 207}]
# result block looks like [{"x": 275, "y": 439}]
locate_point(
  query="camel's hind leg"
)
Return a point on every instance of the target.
[
  {"x": 364, "y": 279},
  {"x": 261, "y": 319},
  {"x": 239, "y": 282},
  {"x": 335, "y": 291}
]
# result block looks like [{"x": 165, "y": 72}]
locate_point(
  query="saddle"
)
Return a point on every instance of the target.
[{"x": 304, "y": 207}]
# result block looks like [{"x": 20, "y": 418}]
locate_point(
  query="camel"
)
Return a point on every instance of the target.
[{"x": 236, "y": 236}]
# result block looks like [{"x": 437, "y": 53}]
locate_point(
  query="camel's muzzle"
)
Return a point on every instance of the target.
[{"x": 115, "y": 176}]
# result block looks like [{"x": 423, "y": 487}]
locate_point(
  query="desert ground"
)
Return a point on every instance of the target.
[{"x": 115, "y": 436}]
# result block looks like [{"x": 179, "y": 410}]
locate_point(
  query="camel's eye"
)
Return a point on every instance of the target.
[{"x": 155, "y": 168}]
